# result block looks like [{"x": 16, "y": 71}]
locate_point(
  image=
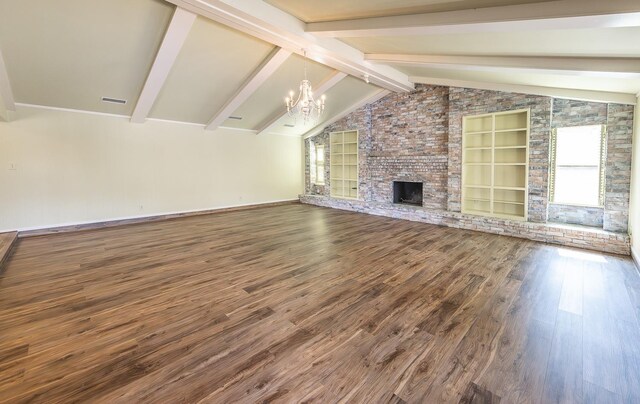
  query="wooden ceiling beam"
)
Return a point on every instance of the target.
[
  {"x": 325, "y": 86},
  {"x": 573, "y": 94},
  {"x": 560, "y": 14},
  {"x": 257, "y": 78},
  {"x": 359, "y": 104},
  {"x": 597, "y": 66},
  {"x": 7, "y": 102},
  {"x": 172, "y": 43},
  {"x": 268, "y": 23}
]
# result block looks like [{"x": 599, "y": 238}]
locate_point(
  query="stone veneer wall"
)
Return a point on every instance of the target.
[
  {"x": 567, "y": 113},
  {"x": 618, "y": 170},
  {"x": 418, "y": 137},
  {"x": 589, "y": 238},
  {"x": 465, "y": 101}
]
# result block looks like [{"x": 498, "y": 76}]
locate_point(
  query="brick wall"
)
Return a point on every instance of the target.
[
  {"x": 567, "y": 113},
  {"x": 418, "y": 137},
  {"x": 618, "y": 170},
  {"x": 465, "y": 101},
  {"x": 582, "y": 215}
]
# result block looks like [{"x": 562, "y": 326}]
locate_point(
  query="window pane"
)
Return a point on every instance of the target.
[
  {"x": 577, "y": 185},
  {"x": 320, "y": 154},
  {"x": 320, "y": 175},
  {"x": 578, "y": 145},
  {"x": 312, "y": 163}
]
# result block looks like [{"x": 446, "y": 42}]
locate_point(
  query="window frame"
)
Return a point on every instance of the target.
[
  {"x": 314, "y": 167},
  {"x": 601, "y": 167},
  {"x": 320, "y": 150}
]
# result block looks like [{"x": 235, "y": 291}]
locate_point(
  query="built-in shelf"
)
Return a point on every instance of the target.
[
  {"x": 344, "y": 164},
  {"x": 495, "y": 158}
]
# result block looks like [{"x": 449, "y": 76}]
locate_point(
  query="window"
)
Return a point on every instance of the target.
[
  {"x": 317, "y": 164},
  {"x": 577, "y": 165}
]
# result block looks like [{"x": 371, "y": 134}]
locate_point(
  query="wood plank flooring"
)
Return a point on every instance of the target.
[
  {"x": 305, "y": 304},
  {"x": 7, "y": 241}
]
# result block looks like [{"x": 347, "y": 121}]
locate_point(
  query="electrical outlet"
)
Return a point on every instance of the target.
[
  {"x": 141, "y": 207},
  {"x": 13, "y": 166}
]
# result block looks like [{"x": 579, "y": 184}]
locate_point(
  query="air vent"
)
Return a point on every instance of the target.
[
  {"x": 237, "y": 118},
  {"x": 113, "y": 100},
  {"x": 288, "y": 125}
]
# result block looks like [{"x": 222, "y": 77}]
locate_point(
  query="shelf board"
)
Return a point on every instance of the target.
[
  {"x": 477, "y": 186},
  {"x": 475, "y": 212},
  {"x": 510, "y": 202},
  {"x": 509, "y": 147},
  {"x": 478, "y": 148},
  {"x": 510, "y": 188},
  {"x": 511, "y": 130},
  {"x": 476, "y": 164},
  {"x": 477, "y": 199},
  {"x": 482, "y": 132},
  {"x": 510, "y": 164}
]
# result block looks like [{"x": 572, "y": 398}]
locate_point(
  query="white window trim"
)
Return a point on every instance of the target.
[
  {"x": 601, "y": 169},
  {"x": 318, "y": 167}
]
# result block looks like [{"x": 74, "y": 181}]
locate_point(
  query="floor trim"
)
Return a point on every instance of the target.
[
  {"x": 636, "y": 258},
  {"x": 5, "y": 250},
  {"x": 146, "y": 219}
]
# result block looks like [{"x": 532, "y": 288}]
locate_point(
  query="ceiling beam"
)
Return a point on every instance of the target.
[
  {"x": 268, "y": 23},
  {"x": 623, "y": 67},
  {"x": 7, "y": 102},
  {"x": 174, "y": 38},
  {"x": 257, "y": 78},
  {"x": 325, "y": 86},
  {"x": 361, "y": 103},
  {"x": 560, "y": 14},
  {"x": 583, "y": 95}
]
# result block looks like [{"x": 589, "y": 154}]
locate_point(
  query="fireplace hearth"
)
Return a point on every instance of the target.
[{"x": 407, "y": 193}]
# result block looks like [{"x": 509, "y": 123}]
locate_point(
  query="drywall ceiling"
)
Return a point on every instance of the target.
[
  {"x": 526, "y": 77},
  {"x": 269, "y": 98},
  {"x": 333, "y": 10},
  {"x": 212, "y": 65},
  {"x": 339, "y": 98},
  {"x": 70, "y": 53},
  {"x": 608, "y": 42}
]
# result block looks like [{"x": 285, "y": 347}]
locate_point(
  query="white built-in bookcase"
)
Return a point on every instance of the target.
[
  {"x": 495, "y": 164},
  {"x": 344, "y": 164}
]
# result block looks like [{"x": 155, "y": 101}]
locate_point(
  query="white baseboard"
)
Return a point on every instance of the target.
[
  {"x": 141, "y": 217},
  {"x": 636, "y": 257}
]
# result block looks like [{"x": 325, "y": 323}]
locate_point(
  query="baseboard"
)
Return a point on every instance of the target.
[
  {"x": 7, "y": 244},
  {"x": 145, "y": 219},
  {"x": 636, "y": 257}
]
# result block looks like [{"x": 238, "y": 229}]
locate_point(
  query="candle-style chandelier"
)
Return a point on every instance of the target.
[{"x": 305, "y": 106}]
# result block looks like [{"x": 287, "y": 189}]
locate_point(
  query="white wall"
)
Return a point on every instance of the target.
[
  {"x": 634, "y": 209},
  {"x": 76, "y": 168}
]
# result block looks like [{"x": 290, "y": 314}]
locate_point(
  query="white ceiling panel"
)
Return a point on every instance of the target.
[
  {"x": 610, "y": 84},
  {"x": 339, "y": 98},
  {"x": 70, "y": 53},
  {"x": 611, "y": 42},
  {"x": 213, "y": 64},
  {"x": 269, "y": 98},
  {"x": 332, "y": 10}
]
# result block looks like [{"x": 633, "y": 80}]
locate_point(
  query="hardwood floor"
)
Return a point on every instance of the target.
[{"x": 299, "y": 303}]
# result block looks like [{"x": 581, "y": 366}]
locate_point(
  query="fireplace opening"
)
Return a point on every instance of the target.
[{"x": 409, "y": 193}]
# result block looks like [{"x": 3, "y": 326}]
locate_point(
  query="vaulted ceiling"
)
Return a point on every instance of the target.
[{"x": 230, "y": 63}]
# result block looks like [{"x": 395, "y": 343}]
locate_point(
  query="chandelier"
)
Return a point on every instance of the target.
[{"x": 305, "y": 106}]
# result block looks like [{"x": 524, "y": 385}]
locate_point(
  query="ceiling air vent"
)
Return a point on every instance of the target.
[
  {"x": 288, "y": 125},
  {"x": 237, "y": 118},
  {"x": 113, "y": 100}
]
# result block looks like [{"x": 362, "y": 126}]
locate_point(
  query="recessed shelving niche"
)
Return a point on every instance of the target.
[
  {"x": 495, "y": 164},
  {"x": 344, "y": 164}
]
